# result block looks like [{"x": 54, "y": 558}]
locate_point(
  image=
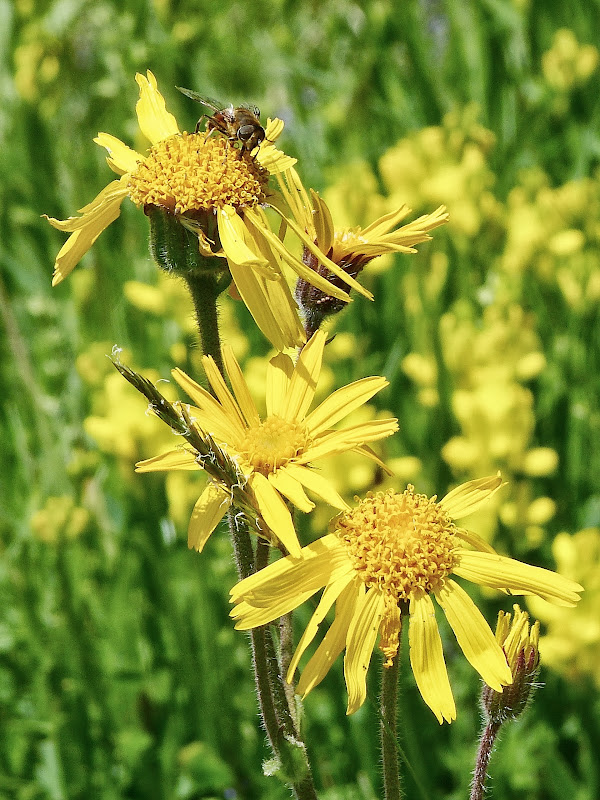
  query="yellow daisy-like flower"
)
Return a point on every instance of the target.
[
  {"x": 274, "y": 454},
  {"x": 327, "y": 249},
  {"x": 396, "y": 550},
  {"x": 214, "y": 190}
]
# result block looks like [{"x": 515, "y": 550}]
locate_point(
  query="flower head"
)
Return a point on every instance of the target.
[
  {"x": 391, "y": 552},
  {"x": 336, "y": 254},
  {"x": 274, "y": 454},
  {"x": 213, "y": 190}
]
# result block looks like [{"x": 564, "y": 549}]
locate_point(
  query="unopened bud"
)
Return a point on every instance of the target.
[{"x": 519, "y": 640}]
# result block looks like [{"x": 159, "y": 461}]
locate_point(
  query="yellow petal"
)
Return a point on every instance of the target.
[
  {"x": 235, "y": 239},
  {"x": 121, "y": 159},
  {"x": 303, "y": 384},
  {"x": 209, "y": 510},
  {"x": 323, "y": 222},
  {"x": 279, "y": 372},
  {"x": 97, "y": 215},
  {"x": 210, "y": 415},
  {"x": 240, "y": 387},
  {"x": 348, "y": 438},
  {"x": 322, "y": 259},
  {"x": 259, "y": 221},
  {"x": 252, "y": 291},
  {"x": 174, "y": 459},
  {"x": 427, "y": 659},
  {"x": 474, "y": 540},
  {"x": 317, "y": 484},
  {"x": 154, "y": 120},
  {"x": 474, "y": 635},
  {"x": 342, "y": 402},
  {"x": 362, "y": 634},
  {"x": 334, "y": 640},
  {"x": 470, "y": 496},
  {"x": 275, "y": 512},
  {"x": 285, "y": 310},
  {"x": 328, "y": 598},
  {"x": 289, "y": 487},
  {"x": 385, "y": 223},
  {"x": 224, "y": 396},
  {"x": 282, "y": 576},
  {"x": 499, "y": 572}
]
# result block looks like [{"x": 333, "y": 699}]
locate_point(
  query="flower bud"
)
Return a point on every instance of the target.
[{"x": 519, "y": 640}]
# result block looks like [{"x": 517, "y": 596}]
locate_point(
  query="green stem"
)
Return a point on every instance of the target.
[
  {"x": 388, "y": 728},
  {"x": 486, "y": 747},
  {"x": 205, "y": 288},
  {"x": 278, "y": 721}
]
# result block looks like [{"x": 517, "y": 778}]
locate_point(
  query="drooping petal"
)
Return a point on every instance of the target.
[
  {"x": 240, "y": 387},
  {"x": 330, "y": 595},
  {"x": 342, "y": 402},
  {"x": 236, "y": 238},
  {"x": 303, "y": 271},
  {"x": 303, "y": 383},
  {"x": 275, "y": 512},
  {"x": 251, "y": 288},
  {"x": 474, "y": 635},
  {"x": 317, "y": 484},
  {"x": 154, "y": 120},
  {"x": 289, "y": 487},
  {"x": 334, "y": 640},
  {"x": 97, "y": 216},
  {"x": 468, "y": 497},
  {"x": 209, "y": 510},
  {"x": 283, "y": 575},
  {"x": 121, "y": 159},
  {"x": 279, "y": 373},
  {"x": 500, "y": 572},
  {"x": 174, "y": 459},
  {"x": 323, "y": 222},
  {"x": 361, "y": 637},
  {"x": 427, "y": 659}
]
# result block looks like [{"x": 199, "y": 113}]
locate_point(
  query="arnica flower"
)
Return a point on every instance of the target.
[
  {"x": 392, "y": 551},
  {"x": 275, "y": 454},
  {"x": 213, "y": 190},
  {"x": 327, "y": 249}
]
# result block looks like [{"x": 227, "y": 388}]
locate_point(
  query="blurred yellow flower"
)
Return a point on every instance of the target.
[
  {"x": 59, "y": 519},
  {"x": 392, "y": 550},
  {"x": 275, "y": 454},
  {"x": 571, "y": 643},
  {"x": 568, "y": 64}
]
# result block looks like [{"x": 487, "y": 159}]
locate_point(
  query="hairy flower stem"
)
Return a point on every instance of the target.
[
  {"x": 388, "y": 729},
  {"x": 486, "y": 746},
  {"x": 205, "y": 287},
  {"x": 289, "y": 751}
]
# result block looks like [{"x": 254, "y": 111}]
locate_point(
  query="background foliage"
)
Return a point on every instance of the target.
[{"x": 120, "y": 674}]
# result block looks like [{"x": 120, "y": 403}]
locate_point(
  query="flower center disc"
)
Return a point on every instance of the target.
[
  {"x": 193, "y": 173},
  {"x": 273, "y": 443},
  {"x": 401, "y": 543}
]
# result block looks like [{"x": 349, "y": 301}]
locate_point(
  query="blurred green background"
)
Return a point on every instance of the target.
[{"x": 120, "y": 674}]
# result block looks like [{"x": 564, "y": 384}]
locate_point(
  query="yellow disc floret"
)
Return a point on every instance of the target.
[
  {"x": 402, "y": 544},
  {"x": 273, "y": 443},
  {"x": 192, "y": 173}
]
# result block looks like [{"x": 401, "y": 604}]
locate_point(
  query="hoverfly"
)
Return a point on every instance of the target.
[{"x": 239, "y": 124}]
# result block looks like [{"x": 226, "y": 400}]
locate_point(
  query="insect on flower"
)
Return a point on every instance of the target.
[{"x": 237, "y": 124}]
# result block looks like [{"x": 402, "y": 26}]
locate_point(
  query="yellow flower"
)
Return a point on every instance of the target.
[
  {"x": 396, "y": 550},
  {"x": 215, "y": 191},
  {"x": 275, "y": 454},
  {"x": 341, "y": 254}
]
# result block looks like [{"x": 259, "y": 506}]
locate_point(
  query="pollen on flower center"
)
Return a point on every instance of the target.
[
  {"x": 273, "y": 443},
  {"x": 400, "y": 543},
  {"x": 193, "y": 173}
]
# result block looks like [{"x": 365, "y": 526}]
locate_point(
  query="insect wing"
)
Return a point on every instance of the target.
[{"x": 206, "y": 101}]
